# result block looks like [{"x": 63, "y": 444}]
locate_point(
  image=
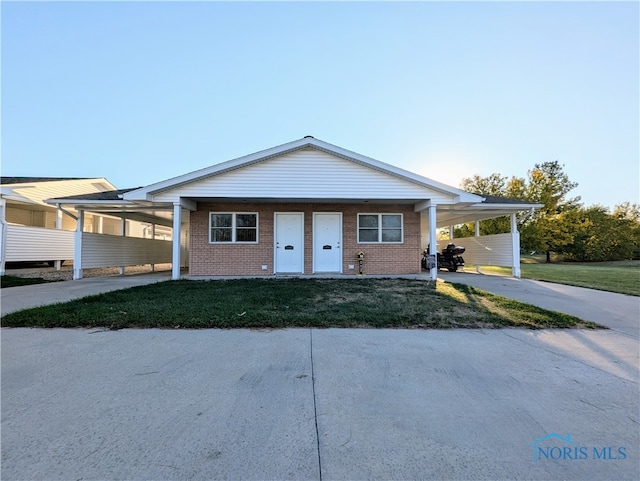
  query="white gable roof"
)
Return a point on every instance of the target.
[{"x": 303, "y": 169}]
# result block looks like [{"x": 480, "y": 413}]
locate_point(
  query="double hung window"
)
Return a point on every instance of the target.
[
  {"x": 381, "y": 228},
  {"x": 233, "y": 227}
]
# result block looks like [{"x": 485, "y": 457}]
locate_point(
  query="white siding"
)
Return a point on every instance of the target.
[
  {"x": 29, "y": 244},
  {"x": 50, "y": 219},
  {"x": 487, "y": 250},
  {"x": 17, "y": 215},
  {"x": 68, "y": 223},
  {"x": 103, "y": 250},
  {"x": 305, "y": 174}
]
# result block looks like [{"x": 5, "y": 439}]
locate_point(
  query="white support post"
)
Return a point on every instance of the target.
[
  {"x": 433, "y": 248},
  {"x": 99, "y": 224},
  {"x": 177, "y": 222},
  {"x": 58, "y": 262},
  {"x": 123, "y": 231},
  {"x": 58, "y": 218},
  {"x": 3, "y": 236},
  {"x": 451, "y": 232},
  {"x": 515, "y": 243},
  {"x": 77, "y": 252},
  {"x": 478, "y": 270},
  {"x": 153, "y": 237}
]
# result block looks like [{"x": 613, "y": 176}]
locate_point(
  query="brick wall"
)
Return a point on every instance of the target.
[{"x": 247, "y": 259}]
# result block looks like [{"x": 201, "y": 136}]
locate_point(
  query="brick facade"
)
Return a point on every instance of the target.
[{"x": 207, "y": 259}]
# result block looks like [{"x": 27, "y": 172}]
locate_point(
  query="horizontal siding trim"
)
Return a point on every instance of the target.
[
  {"x": 305, "y": 174},
  {"x": 32, "y": 244},
  {"x": 103, "y": 250}
]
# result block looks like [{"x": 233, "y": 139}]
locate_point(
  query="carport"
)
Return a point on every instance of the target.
[
  {"x": 488, "y": 250},
  {"x": 94, "y": 249},
  {"x": 98, "y": 249}
]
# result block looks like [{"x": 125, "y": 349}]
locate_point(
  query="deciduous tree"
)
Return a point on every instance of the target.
[{"x": 551, "y": 226}]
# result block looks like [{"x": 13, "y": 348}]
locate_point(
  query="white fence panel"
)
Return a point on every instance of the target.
[
  {"x": 31, "y": 244},
  {"x": 488, "y": 250},
  {"x": 103, "y": 250}
]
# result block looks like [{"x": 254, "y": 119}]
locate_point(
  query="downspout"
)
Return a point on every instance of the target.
[
  {"x": 59, "y": 211},
  {"x": 59, "y": 206},
  {"x": 528, "y": 214}
]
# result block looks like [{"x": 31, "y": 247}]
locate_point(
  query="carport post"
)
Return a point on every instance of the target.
[
  {"x": 177, "y": 222},
  {"x": 433, "y": 248},
  {"x": 515, "y": 243},
  {"x": 3, "y": 236},
  {"x": 77, "y": 247},
  {"x": 58, "y": 262},
  {"x": 153, "y": 237},
  {"x": 123, "y": 231},
  {"x": 478, "y": 270}
]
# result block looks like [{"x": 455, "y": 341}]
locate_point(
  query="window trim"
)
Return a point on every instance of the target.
[
  {"x": 234, "y": 228},
  {"x": 380, "y": 241}
]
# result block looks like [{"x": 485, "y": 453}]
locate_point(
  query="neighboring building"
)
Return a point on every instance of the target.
[
  {"x": 306, "y": 207},
  {"x": 34, "y": 231}
]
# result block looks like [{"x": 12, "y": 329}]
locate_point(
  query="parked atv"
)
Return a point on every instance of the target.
[{"x": 449, "y": 259}]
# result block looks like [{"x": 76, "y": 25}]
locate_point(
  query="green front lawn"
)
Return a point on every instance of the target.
[
  {"x": 620, "y": 276},
  {"x": 281, "y": 303}
]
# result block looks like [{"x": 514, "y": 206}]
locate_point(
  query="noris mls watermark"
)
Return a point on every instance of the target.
[{"x": 554, "y": 447}]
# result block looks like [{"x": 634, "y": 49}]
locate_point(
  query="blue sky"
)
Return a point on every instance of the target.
[{"x": 140, "y": 92}]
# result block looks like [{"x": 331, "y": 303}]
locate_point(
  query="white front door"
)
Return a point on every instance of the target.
[
  {"x": 289, "y": 248},
  {"x": 327, "y": 239}
]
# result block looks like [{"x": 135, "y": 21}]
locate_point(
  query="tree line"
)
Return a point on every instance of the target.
[{"x": 563, "y": 225}]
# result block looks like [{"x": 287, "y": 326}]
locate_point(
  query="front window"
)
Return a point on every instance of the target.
[
  {"x": 382, "y": 228},
  {"x": 233, "y": 227}
]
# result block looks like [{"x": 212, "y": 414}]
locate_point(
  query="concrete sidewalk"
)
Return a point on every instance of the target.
[
  {"x": 616, "y": 311},
  {"x": 24, "y": 297},
  {"x": 328, "y": 404}
]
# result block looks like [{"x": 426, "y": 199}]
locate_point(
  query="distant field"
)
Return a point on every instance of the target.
[{"x": 619, "y": 276}]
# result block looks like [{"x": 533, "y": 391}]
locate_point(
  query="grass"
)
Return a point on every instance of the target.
[
  {"x": 281, "y": 303},
  {"x": 620, "y": 276},
  {"x": 13, "y": 281}
]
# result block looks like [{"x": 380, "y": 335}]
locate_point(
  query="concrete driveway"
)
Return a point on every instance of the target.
[
  {"x": 24, "y": 297},
  {"x": 333, "y": 404},
  {"x": 616, "y": 311}
]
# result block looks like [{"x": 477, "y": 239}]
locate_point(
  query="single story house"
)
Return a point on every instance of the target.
[{"x": 304, "y": 207}]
